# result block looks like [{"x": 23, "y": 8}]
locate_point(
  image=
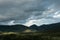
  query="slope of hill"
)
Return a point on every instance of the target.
[
  {"x": 50, "y": 27},
  {"x": 13, "y": 28},
  {"x": 20, "y": 28}
]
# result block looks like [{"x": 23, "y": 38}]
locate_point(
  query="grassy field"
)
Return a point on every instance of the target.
[{"x": 29, "y": 36}]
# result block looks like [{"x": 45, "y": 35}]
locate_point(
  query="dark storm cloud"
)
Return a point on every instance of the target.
[
  {"x": 25, "y": 9},
  {"x": 15, "y": 10}
]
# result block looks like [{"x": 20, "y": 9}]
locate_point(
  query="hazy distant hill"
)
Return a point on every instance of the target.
[
  {"x": 13, "y": 28},
  {"x": 20, "y": 28},
  {"x": 33, "y": 27},
  {"x": 51, "y": 27}
]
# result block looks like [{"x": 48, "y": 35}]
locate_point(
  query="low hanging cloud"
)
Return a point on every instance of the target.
[{"x": 25, "y": 11}]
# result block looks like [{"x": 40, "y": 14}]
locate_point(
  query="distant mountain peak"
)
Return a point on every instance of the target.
[{"x": 34, "y": 25}]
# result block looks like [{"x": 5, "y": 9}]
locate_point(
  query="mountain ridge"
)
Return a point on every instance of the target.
[{"x": 20, "y": 28}]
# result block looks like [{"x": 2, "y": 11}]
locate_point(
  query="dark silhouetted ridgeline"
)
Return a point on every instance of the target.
[
  {"x": 20, "y": 28},
  {"x": 47, "y": 28},
  {"x": 12, "y": 28}
]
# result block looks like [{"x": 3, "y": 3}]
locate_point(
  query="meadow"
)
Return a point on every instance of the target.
[{"x": 30, "y": 36}]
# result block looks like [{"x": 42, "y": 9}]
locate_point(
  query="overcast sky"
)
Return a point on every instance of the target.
[{"x": 28, "y": 12}]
